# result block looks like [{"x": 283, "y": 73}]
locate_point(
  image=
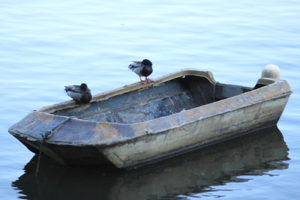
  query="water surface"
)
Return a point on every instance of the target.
[{"x": 45, "y": 45}]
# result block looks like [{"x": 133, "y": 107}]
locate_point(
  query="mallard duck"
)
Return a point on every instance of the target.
[
  {"x": 79, "y": 93},
  {"x": 142, "y": 68}
]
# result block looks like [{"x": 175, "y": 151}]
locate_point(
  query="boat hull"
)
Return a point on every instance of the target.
[
  {"x": 75, "y": 141},
  {"x": 154, "y": 147}
]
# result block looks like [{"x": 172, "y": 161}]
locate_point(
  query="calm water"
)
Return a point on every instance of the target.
[{"x": 45, "y": 45}]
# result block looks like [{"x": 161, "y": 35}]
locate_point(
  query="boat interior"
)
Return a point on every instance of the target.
[{"x": 156, "y": 101}]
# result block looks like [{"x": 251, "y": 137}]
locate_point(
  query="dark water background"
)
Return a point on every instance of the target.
[{"x": 45, "y": 45}]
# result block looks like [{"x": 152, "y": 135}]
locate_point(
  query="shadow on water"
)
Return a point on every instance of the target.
[{"x": 252, "y": 154}]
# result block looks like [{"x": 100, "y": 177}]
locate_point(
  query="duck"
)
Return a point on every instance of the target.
[
  {"x": 142, "y": 69},
  {"x": 81, "y": 94}
]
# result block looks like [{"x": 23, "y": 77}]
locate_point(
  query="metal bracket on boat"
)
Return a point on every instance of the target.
[
  {"x": 49, "y": 133},
  {"x": 46, "y": 134}
]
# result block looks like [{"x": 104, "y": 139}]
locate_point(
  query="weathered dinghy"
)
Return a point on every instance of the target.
[{"x": 140, "y": 124}]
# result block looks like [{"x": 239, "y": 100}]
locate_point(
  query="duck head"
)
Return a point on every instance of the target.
[
  {"x": 83, "y": 87},
  {"x": 147, "y": 62}
]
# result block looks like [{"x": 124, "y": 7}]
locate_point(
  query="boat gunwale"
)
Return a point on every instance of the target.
[{"x": 130, "y": 88}]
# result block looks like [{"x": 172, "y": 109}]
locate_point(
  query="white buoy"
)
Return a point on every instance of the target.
[{"x": 271, "y": 71}]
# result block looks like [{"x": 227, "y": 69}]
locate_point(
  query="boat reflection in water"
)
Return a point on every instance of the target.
[{"x": 253, "y": 153}]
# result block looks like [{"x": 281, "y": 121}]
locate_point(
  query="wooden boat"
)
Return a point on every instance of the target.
[{"x": 141, "y": 124}]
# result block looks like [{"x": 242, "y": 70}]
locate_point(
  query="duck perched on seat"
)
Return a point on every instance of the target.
[
  {"x": 81, "y": 94},
  {"x": 142, "y": 68}
]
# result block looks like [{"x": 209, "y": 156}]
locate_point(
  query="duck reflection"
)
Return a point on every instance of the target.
[{"x": 190, "y": 173}]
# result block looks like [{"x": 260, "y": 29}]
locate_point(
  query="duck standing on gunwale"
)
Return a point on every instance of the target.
[
  {"x": 81, "y": 94},
  {"x": 142, "y": 68}
]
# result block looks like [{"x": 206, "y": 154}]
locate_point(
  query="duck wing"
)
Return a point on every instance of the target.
[
  {"x": 72, "y": 88},
  {"x": 74, "y": 92},
  {"x": 136, "y": 67},
  {"x": 135, "y": 64}
]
